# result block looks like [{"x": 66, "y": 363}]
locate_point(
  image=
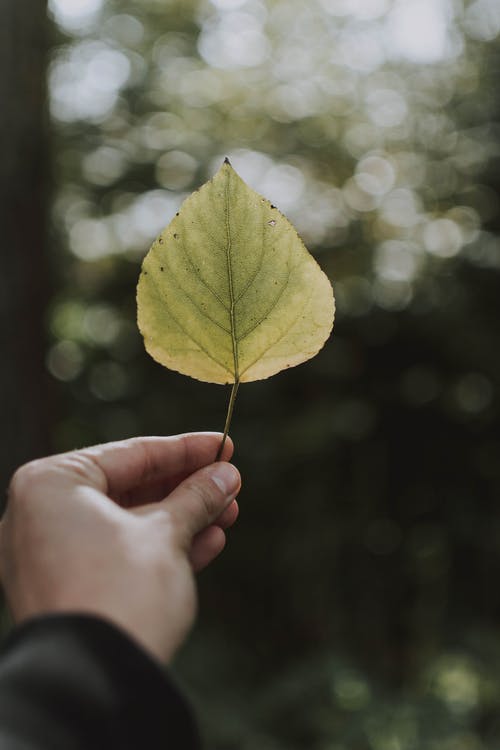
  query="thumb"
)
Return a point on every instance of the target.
[{"x": 200, "y": 499}]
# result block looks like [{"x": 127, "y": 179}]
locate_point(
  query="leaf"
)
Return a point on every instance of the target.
[{"x": 228, "y": 292}]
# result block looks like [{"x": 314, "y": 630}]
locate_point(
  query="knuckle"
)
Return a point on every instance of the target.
[
  {"x": 25, "y": 479},
  {"x": 28, "y": 481},
  {"x": 147, "y": 462},
  {"x": 83, "y": 466}
]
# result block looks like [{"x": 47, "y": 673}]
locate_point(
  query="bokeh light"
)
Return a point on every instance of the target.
[{"x": 356, "y": 607}]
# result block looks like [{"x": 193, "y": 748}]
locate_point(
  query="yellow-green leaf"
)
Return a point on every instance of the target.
[{"x": 228, "y": 291}]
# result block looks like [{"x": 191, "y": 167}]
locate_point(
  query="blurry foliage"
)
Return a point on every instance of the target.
[{"x": 357, "y": 605}]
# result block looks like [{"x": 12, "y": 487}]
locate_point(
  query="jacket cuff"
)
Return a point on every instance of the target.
[{"x": 83, "y": 682}]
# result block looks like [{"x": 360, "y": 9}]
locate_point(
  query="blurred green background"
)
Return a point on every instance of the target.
[{"x": 357, "y": 606}]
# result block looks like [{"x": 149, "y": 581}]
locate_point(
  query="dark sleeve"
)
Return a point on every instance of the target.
[{"x": 75, "y": 682}]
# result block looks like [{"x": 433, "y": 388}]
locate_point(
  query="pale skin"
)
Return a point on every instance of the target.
[{"x": 118, "y": 531}]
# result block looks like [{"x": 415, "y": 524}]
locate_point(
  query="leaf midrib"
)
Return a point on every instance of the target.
[{"x": 232, "y": 301}]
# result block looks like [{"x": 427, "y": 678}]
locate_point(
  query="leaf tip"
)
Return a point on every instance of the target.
[{"x": 226, "y": 161}]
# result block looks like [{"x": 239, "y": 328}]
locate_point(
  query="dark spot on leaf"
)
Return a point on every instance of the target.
[
  {"x": 177, "y": 214},
  {"x": 161, "y": 268},
  {"x": 160, "y": 240},
  {"x": 176, "y": 236},
  {"x": 145, "y": 273},
  {"x": 272, "y": 206},
  {"x": 226, "y": 161},
  {"x": 272, "y": 222}
]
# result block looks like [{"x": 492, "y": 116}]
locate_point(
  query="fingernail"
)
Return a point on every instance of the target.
[{"x": 226, "y": 477}]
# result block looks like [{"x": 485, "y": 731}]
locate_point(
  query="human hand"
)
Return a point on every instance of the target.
[{"x": 117, "y": 530}]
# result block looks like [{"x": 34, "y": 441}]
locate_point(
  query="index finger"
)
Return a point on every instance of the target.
[{"x": 131, "y": 463}]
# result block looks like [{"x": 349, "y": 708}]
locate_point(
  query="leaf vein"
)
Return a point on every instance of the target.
[
  {"x": 202, "y": 312},
  {"x": 269, "y": 311},
  {"x": 200, "y": 277},
  {"x": 282, "y": 335},
  {"x": 254, "y": 275},
  {"x": 189, "y": 335}
]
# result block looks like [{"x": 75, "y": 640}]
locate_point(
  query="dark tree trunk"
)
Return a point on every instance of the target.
[{"x": 23, "y": 198}]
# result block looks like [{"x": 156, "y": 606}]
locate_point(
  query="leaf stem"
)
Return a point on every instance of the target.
[{"x": 229, "y": 415}]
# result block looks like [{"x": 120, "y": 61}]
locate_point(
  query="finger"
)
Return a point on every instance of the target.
[
  {"x": 152, "y": 492},
  {"x": 228, "y": 516},
  {"x": 211, "y": 541},
  {"x": 146, "y": 461},
  {"x": 206, "y": 546},
  {"x": 201, "y": 498}
]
